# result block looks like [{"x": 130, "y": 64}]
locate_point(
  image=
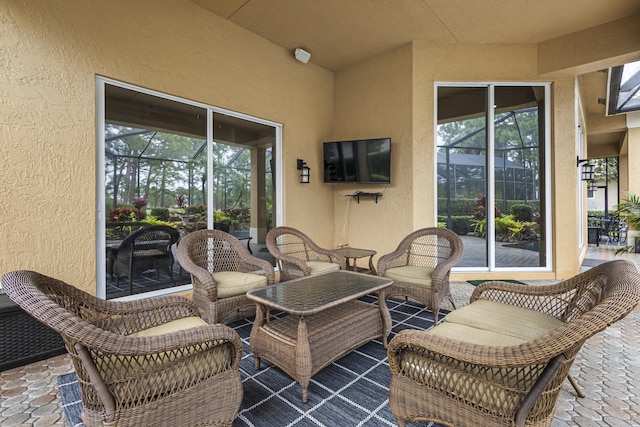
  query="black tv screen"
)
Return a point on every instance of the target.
[{"x": 363, "y": 161}]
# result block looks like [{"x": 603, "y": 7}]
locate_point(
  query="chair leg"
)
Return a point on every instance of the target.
[
  {"x": 453, "y": 304},
  {"x": 575, "y": 385}
]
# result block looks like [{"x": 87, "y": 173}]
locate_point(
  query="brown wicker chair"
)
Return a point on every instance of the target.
[
  {"x": 451, "y": 375},
  {"x": 139, "y": 363},
  {"x": 222, "y": 271},
  {"x": 148, "y": 248},
  {"x": 298, "y": 256},
  {"x": 420, "y": 266}
]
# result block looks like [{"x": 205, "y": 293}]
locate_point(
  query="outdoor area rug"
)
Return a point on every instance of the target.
[
  {"x": 352, "y": 391},
  {"x": 477, "y": 282}
]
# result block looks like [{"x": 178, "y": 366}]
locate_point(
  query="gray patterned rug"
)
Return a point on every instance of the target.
[{"x": 352, "y": 391}]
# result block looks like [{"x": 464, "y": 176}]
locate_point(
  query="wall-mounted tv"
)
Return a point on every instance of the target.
[{"x": 362, "y": 161}]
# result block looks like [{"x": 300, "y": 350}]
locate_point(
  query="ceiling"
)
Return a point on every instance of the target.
[{"x": 339, "y": 33}]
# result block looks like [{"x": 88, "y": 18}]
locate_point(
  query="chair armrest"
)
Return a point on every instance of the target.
[
  {"x": 443, "y": 348},
  {"x": 124, "y": 368},
  {"x": 293, "y": 267},
  {"x": 476, "y": 374},
  {"x": 126, "y": 317},
  {"x": 391, "y": 260},
  {"x": 250, "y": 263},
  {"x": 200, "y": 276}
]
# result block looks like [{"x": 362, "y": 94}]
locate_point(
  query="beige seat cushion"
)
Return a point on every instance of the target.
[
  {"x": 173, "y": 326},
  {"x": 232, "y": 283},
  {"x": 474, "y": 336},
  {"x": 318, "y": 267},
  {"x": 504, "y": 319},
  {"x": 410, "y": 274}
]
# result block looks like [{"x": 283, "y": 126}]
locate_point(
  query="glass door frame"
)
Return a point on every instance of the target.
[
  {"x": 100, "y": 83},
  {"x": 491, "y": 246}
]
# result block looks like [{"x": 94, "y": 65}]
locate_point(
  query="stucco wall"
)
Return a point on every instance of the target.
[
  {"x": 50, "y": 54},
  {"x": 397, "y": 94},
  {"x": 373, "y": 100}
]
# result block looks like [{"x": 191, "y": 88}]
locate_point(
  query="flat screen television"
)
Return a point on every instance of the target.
[{"x": 362, "y": 161}]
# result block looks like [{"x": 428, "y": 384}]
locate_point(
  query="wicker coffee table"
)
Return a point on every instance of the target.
[{"x": 325, "y": 321}]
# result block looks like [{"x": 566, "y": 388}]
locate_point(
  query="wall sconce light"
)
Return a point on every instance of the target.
[
  {"x": 588, "y": 170},
  {"x": 592, "y": 186},
  {"x": 305, "y": 171}
]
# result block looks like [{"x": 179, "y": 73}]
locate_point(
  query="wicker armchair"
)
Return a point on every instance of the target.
[
  {"x": 222, "y": 271},
  {"x": 139, "y": 363},
  {"x": 420, "y": 266},
  {"x": 148, "y": 248},
  {"x": 298, "y": 256},
  {"x": 475, "y": 375}
]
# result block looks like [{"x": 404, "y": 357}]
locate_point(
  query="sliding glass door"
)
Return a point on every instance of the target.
[
  {"x": 166, "y": 161},
  {"x": 492, "y": 184}
]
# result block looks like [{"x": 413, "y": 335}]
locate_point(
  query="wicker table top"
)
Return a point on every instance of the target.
[{"x": 313, "y": 294}]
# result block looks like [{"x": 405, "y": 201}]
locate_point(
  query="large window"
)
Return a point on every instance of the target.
[
  {"x": 492, "y": 173},
  {"x": 181, "y": 166}
]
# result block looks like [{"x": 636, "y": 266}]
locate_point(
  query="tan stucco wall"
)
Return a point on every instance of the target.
[
  {"x": 373, "y": 100},
  {"x": 393, "y": 94},
  {"x": 50, "y": 54}
]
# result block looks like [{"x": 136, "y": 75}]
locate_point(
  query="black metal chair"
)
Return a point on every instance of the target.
[{"x": 145, "y": 249}]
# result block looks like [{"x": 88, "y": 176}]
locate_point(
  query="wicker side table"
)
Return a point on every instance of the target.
[{"x": 354, "y": 254}]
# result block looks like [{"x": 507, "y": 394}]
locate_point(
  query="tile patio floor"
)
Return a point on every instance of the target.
[{"x": 607, "y": 368}]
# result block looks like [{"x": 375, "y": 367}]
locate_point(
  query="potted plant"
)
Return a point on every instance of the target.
[{"x": 630, "y": 211}]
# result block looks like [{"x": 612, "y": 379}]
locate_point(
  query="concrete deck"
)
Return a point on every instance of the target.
[{"x": 607, "y": 368}]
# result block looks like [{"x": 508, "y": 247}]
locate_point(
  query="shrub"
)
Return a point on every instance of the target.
[
  {"x": 121, "y": 214},
  {"x": 196, "y": 210},
  {"x": 161, "y": 214},
  {"x": 522, "y": 212},
  {"x": 460, "y": 224}
]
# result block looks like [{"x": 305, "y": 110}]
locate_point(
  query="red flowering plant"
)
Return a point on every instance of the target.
[
  {"x": 180, "y": 200},
  {"x": 139, "y": 203},
  {"x": 121, "y": 214}
]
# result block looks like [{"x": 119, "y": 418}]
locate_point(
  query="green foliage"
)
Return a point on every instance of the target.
[
  {"x": 459, "y": 206},
  {"x": 160, "y": 213},
  {"x": 522, "y": 212},
  {"x": 479, "y": 227},
  {"x": 460, "y": 224},
  {"x": 196, "y": 210},
  {"x": 121, "y": 215},
  {"x": 150, "y": 219},
  {"x": 629, "y": 209},
  {"x": 508, "y": 228},
  {"x": 240, "y": 217}
]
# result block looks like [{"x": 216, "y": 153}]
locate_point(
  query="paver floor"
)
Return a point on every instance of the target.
[{"x": 607, "y": 368}]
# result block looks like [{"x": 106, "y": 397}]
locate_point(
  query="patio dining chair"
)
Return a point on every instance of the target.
[
  {"x": 222, "y": 271},
  {"x": 421, "y": 264},
  {"x": 298, "y": 256},
  {"x": 150, "y": 362},
  {"x": 149, "y": 248}
]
